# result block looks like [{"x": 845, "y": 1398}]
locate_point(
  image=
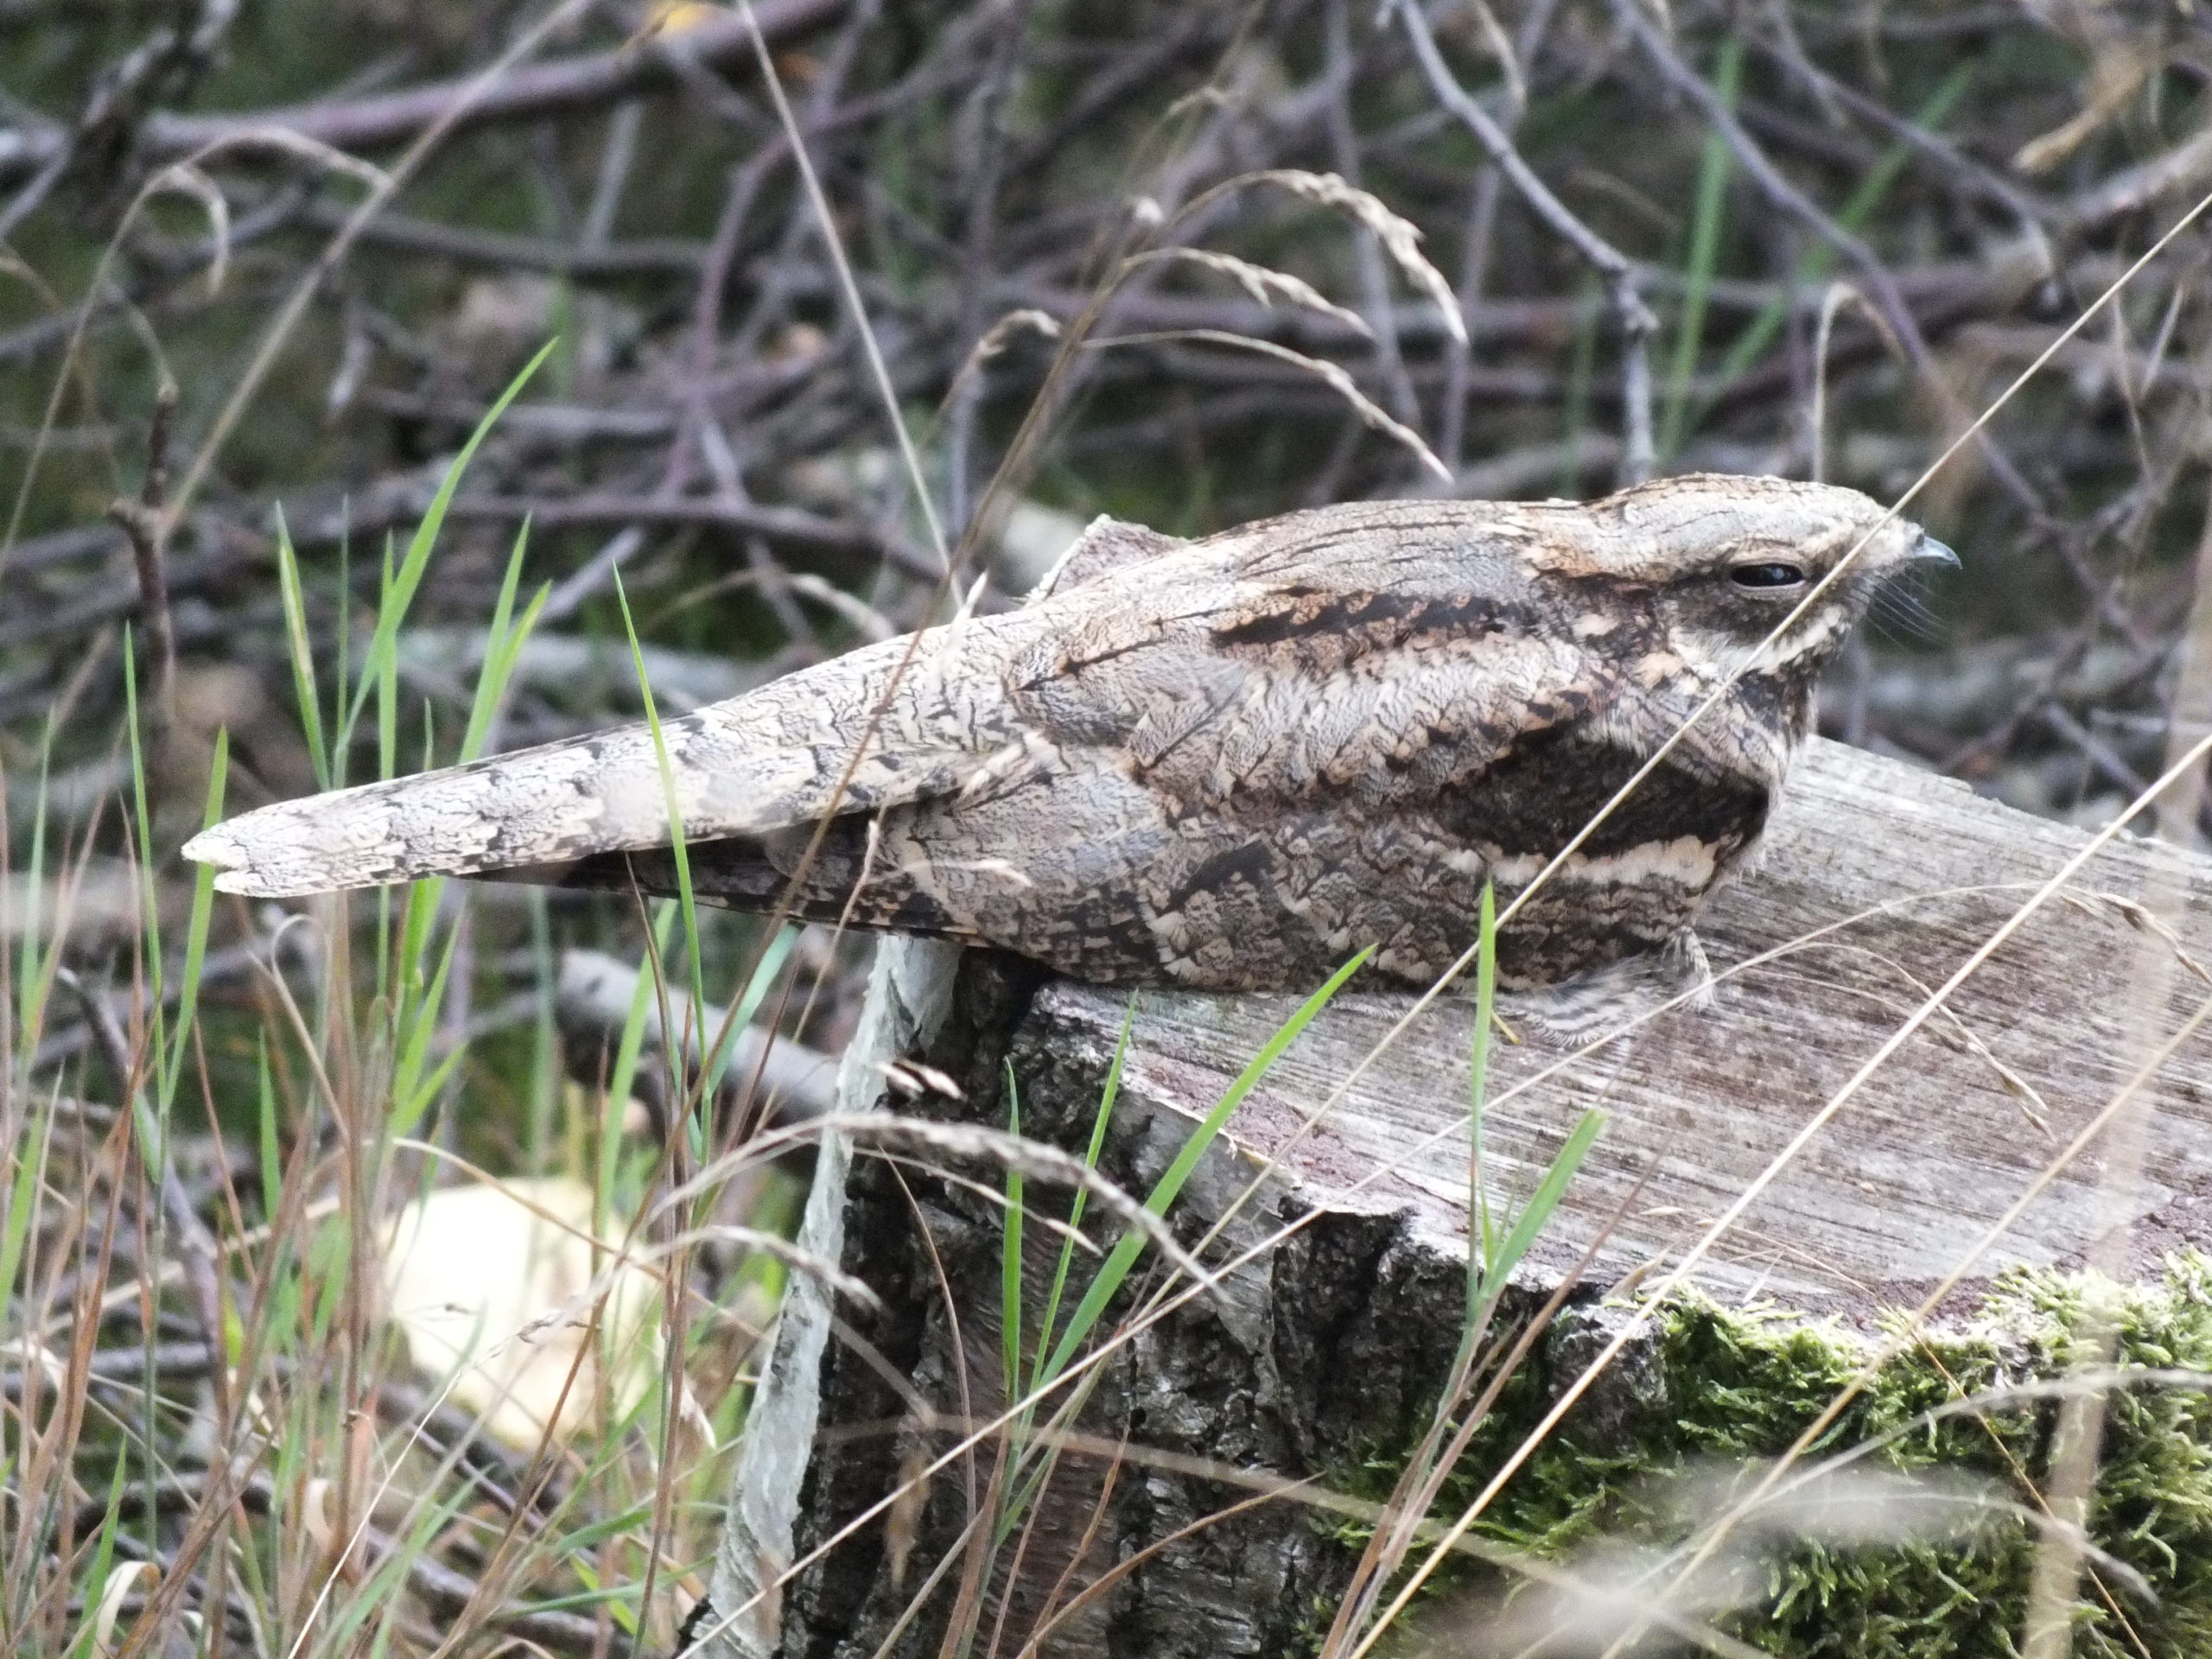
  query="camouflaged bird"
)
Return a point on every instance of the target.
[{"x": 1226, "y": 764}]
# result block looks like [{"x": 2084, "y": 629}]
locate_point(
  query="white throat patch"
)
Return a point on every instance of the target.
[{"x": 1725, "y": 657}]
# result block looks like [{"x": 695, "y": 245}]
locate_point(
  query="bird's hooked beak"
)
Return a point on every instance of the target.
[
  {"x": 1928, "y": 550},
  {"x": 1895, "y": 594}
]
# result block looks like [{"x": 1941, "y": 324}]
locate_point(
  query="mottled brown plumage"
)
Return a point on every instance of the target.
[{"x": 1226, "y": 764}]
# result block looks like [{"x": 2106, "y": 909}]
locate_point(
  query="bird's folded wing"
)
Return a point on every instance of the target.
[{"x": 1390, "y": 716}]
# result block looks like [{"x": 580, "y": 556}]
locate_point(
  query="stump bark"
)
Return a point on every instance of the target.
[{"x": 1325, "y": 1351}]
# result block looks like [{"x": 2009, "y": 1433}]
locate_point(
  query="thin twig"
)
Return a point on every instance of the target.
[
  {"x": 146, "y": 524},
  {"x": 1622, "y": 277}
]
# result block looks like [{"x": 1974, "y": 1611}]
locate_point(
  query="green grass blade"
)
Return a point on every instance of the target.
[
  {"x": 415, "y": 1003},
  {"x": 1537, "y": 1213},
  {"x": 1106, "y": 1099},
  {"x": 1714, "y": 167},
  {"x": 31, "y": 974},
  {"x": 1010, "y": 1252},
  {"x": 546, "y": 1073},
  {"x": 380, "y": 669},
  {"x": 102, "y": 1563},
  {"x": 624, "y": 1072},
  {"x": 408, "y": 1108},
  {"x": 777, "y": 952},
  {"x": 687, "y": 904},
  {"x": 503, "y": 644},
  {"x": 1108, "y": 1278},
  {"x": 271, "y": 1147},
  {"x": 1819, "y": 258},
  {"x": 631, "y": 1045},
  {"x": 623, "y": 1596},
  {"x": 344, "y": 674},
  {"x": 585, "y": 1538},
  {"x": 195, "y": 935},
  {"x": 400, "y": 588},
  {"x": 300, "y": 648},
  {"x": 23, "y": 1202},
  {"x": 412, "y": 1093},
  {"x": 623, "y": 1615},
  {"x": 1481, "y": 1242}
]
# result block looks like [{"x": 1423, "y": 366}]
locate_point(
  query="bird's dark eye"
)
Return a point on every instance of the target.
[{"x": 1767, "y": 575}]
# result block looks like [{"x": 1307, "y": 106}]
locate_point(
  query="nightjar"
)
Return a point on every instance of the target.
[{"x": 1225, "y": 763}]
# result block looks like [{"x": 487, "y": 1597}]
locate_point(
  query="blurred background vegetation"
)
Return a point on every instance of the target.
[{"x": 265, "y": 265}]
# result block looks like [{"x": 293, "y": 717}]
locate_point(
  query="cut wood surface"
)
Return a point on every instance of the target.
[{"x": 1878, "y": 882}]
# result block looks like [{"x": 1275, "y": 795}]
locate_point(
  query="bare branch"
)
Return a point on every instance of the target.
[{"x": 1622, "y": 280}]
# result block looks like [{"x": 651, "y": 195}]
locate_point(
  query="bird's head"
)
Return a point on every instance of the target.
[{"x": 1723, "y": 561}]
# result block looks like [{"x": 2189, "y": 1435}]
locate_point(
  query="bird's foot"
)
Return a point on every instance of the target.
[{"x": 1609, "y": 1000}]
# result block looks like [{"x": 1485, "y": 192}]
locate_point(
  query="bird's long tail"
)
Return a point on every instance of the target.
[
  {"x": 868, "y": 730},
  {"x": 548, "y": 805}
]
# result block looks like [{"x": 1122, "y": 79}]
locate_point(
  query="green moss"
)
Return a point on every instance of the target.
[{"x": 1742, "y": 1386}]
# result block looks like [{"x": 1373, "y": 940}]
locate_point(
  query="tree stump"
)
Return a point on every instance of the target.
[{"x": 1321, "y": 1355}]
